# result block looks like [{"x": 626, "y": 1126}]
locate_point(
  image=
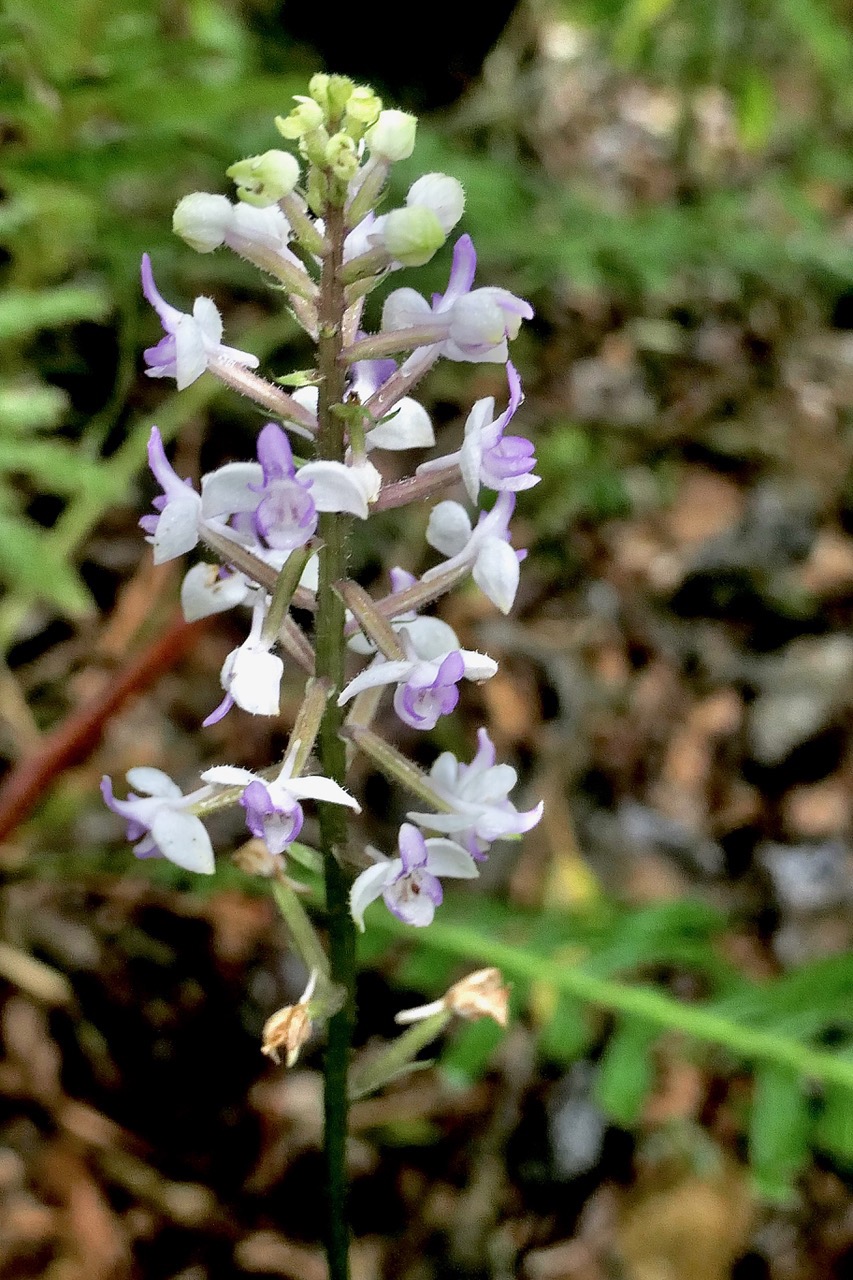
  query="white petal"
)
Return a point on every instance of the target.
[
  {"x": 255, "y": 680},
  {"x": 374, "y": 676},
  {"x": 409, "y": 428},
  {"x": 228, "y": 490},
  {"x": 335, "y": 487},
  {"x": 403, "y": 309},
  {"x": 183, "y": 840},
  {"x": 267, "y": 227},
  {"x": 190, "y": 352},
  {"x": 368, "y": 886},
  {"x": 204, "y": 592},
  {"x": 228, "y": 775},
  {"x": 316, "y": 788},
  {"x": 449, "y": 528},
  {"x": 430, "y": 637},
  {"x": 447, "y": 858},
  {"x": 493, "y": 785},
  {"x": 308, "y": 397},
  {"x": 153, "y": 782},
  {"x": 478, "y": 666},
  {"x": 414, "y": 909},
  {"x": 206, "y": 314},
  {"x": 496, "y": 572},
  {"x": 445, "y": 771},
  {"x": 177, "y": 527},
  {"x": 448, "y": 822}
]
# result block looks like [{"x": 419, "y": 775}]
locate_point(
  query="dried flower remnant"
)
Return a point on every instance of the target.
[
  {"x": 479, "y": 995},
  {"x": 289, "y": 1029}
]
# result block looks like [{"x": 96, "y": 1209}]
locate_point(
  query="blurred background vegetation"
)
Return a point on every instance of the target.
[{"x": 670, "y": 182}]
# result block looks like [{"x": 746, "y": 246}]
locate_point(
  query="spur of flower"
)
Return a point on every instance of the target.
[{"x": 411, "y": 883}]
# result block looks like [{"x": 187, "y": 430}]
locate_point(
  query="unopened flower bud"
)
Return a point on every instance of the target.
[
  {"x": 393, "y": 136},
  {"x": 254, "y": 859},
  {"x": 318, "y": 88},
  {"x": 442, "y": 194},
  {"x": 363, "y": 106},
  {"x": 263, "y": 180},
  {"x": 202, "y": 220},
  {"x": 290, "y": 1028},
  {"x": 480, "y": 995},
  {"x": 412, "y": 235},
  {"x": 341, "y": 156},
  {"x": 339, "y": 93},
  {"x": 304, "y": 118}
]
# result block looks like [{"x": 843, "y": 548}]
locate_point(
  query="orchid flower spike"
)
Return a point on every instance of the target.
[
  {"x": 479, "y": 795},
  {"x": 192, "y": 342},
  {"x": 411, "y": 884},
  {"x": 159, "y": 820},
  {"x": 273, "y": 809}
]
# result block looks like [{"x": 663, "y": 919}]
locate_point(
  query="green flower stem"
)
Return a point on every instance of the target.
[
  {"x": 374, "y": 625},
  {"x": 283, "y": 591},
  {"x": 398, "y": 1055},
  {"x": 396, "y": 767},
  {"x": 299, "y": 926},
  {"x": 330, "y": 651}
]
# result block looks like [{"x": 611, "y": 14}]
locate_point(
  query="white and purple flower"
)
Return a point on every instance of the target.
[
  {"x": 488, "y": 456},
  {"x": 426, "y": 683},
  {"x": 479, "y": 794},
  {"x": 474, "y": 325},
  {"x": 251, "y": 674},
  {"x": 286, "y": 515},
  {"x": 159, "y": 820},
  {"x": 485, "y": 548},
  {"x": 411, "y": 883},
  {"x": 273, "y": 809},
  {"x": 175, "y": 529},
  {"x": 192, "y": 343}
]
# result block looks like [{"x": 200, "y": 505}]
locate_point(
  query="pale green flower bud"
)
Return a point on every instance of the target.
[
  {"x": 341, "y": 156},
  {"x": 442, "y": 194},
  {"x": 412, "y": 235},
  {"x": 318, "y": 88},
  {"x": 363, "y": 106},
  {"x": 304, "y": 118},
  {"x": 339, "y": 93},
  {"x": 313, "y": 146},
  {"x": 202, "y": 220},
  {"x": 393, "y": 136},
  {"x": 263, "y": 180}
]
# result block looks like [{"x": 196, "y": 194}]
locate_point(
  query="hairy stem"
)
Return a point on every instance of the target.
[{"x": 330, "y": 649}]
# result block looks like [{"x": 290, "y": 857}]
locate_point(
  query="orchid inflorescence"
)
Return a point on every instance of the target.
[{"x": 259, "y": 519}]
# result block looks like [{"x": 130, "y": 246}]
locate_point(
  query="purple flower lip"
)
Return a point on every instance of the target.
[{"x": 277, "y": 824}]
